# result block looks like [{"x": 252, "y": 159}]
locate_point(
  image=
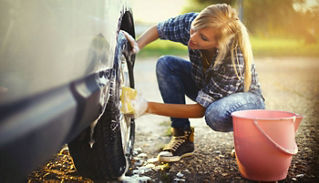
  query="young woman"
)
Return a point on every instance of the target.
[{"x": 220, "y": 76}]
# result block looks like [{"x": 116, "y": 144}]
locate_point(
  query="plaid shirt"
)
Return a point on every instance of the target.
[{"x": 215, "y": 82}]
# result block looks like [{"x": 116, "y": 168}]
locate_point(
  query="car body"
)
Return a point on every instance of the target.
[{"x": 61, "y": 68}]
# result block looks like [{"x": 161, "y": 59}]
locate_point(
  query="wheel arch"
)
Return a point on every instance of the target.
[{"x": 126, "y": 22}]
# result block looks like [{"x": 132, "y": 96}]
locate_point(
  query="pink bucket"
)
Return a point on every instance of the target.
[{"x": 264, "y": 143}]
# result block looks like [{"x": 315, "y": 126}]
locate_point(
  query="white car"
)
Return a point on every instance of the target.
[{"x": 62, "y": 66}]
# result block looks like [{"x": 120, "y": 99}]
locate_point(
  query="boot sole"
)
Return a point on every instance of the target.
[{"x": 173, "y": 158}]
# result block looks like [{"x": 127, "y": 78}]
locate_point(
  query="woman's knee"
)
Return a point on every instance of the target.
[
  {"x": 218, "y": 120},
  {"x": 218, "y": 114},
  {"x": 162, "y": 65}
]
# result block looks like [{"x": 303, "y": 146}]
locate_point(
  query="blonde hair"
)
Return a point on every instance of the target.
[{"x": 225, "y": 19}]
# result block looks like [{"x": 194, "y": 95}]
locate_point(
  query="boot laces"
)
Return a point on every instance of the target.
[{"x": 175, "y": 142}]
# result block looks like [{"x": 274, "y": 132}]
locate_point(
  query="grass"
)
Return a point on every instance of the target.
[
  {"x": 163, "y": 47},
  {"x": 274, "y": 47},
  {"x": 283, "y": 47}
]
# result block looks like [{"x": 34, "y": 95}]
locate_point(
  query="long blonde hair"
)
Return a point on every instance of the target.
[{"x": 225, "y": 19}]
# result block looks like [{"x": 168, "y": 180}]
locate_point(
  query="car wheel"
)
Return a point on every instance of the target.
[{"x": 109, "y": 154}]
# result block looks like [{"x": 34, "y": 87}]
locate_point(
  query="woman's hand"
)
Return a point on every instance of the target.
[
  {"x": 140, "y": 105},
  {"x": 147, "y": 37},
  {"x": 132, "y": 102},
  {"x": 133, "y": 43}
]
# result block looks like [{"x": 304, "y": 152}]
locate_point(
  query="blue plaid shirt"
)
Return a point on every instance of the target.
[{"x": 215, "y": 82}]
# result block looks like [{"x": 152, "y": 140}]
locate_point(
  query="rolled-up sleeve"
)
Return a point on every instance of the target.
[
  {"x": 204, "y": 99},
  {"x": 176, "y": 29}
]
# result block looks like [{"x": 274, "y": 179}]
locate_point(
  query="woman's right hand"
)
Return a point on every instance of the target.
[
  {"x": 133, "y": 43},
  {"x": 132, "y": 102}
]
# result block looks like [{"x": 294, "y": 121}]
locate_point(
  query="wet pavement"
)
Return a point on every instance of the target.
[{"x": 288, "y": 84}]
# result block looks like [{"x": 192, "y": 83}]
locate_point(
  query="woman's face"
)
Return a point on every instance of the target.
[{"x": 203, "y": 39}]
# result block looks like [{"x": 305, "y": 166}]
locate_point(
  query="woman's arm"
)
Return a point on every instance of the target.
[
  {"x": 147, "y": 37},
  {"x": 176, "y": 110}
]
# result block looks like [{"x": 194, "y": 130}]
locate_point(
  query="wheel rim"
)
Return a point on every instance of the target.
[{"x": 125, "y": 121}]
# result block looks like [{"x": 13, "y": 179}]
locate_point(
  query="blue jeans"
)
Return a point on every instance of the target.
[{"x": 175, "y": 81}]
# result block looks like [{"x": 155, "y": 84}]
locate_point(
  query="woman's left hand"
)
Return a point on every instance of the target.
[{"x": 133, "y": 43}]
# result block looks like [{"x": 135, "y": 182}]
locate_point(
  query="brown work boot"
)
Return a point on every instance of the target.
[{"x": 181, "y": 145}]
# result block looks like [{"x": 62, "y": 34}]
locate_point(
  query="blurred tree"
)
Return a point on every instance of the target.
[
  {"x": 268, "y": 17},
  {"x": 272, "y": 18},
  {"x": 198, "y": 5},
  {"x": 306, "y": 24}
]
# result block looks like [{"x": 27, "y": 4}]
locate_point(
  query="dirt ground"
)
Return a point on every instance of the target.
[{"x": 289, "y": 84}]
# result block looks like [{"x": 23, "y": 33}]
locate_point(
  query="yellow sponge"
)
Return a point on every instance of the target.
[{"x": 128, "y": 94}]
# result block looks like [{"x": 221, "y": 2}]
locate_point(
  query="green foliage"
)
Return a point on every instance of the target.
[
  {"x": 198, "y": 5},
  {"x": 268, "y": 18},
  {"x": 273, "y": 47},
  {"x": 163, "y": 47},
  {"x": 283, "y": 47}
]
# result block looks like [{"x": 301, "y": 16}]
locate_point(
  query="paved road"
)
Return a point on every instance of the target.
[{"x": 289, "y": 84}]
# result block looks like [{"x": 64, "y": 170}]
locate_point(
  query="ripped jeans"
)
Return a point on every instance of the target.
[{"x": 175, "y": 81}]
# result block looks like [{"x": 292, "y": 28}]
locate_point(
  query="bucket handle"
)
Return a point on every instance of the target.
[{"x": 287, "y": 151}]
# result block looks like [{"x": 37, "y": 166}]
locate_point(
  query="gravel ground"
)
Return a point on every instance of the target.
[{"x": 289, "y": 84}]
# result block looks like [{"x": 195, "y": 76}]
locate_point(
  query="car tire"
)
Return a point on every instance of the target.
[{"x": 109, "y": 156}]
